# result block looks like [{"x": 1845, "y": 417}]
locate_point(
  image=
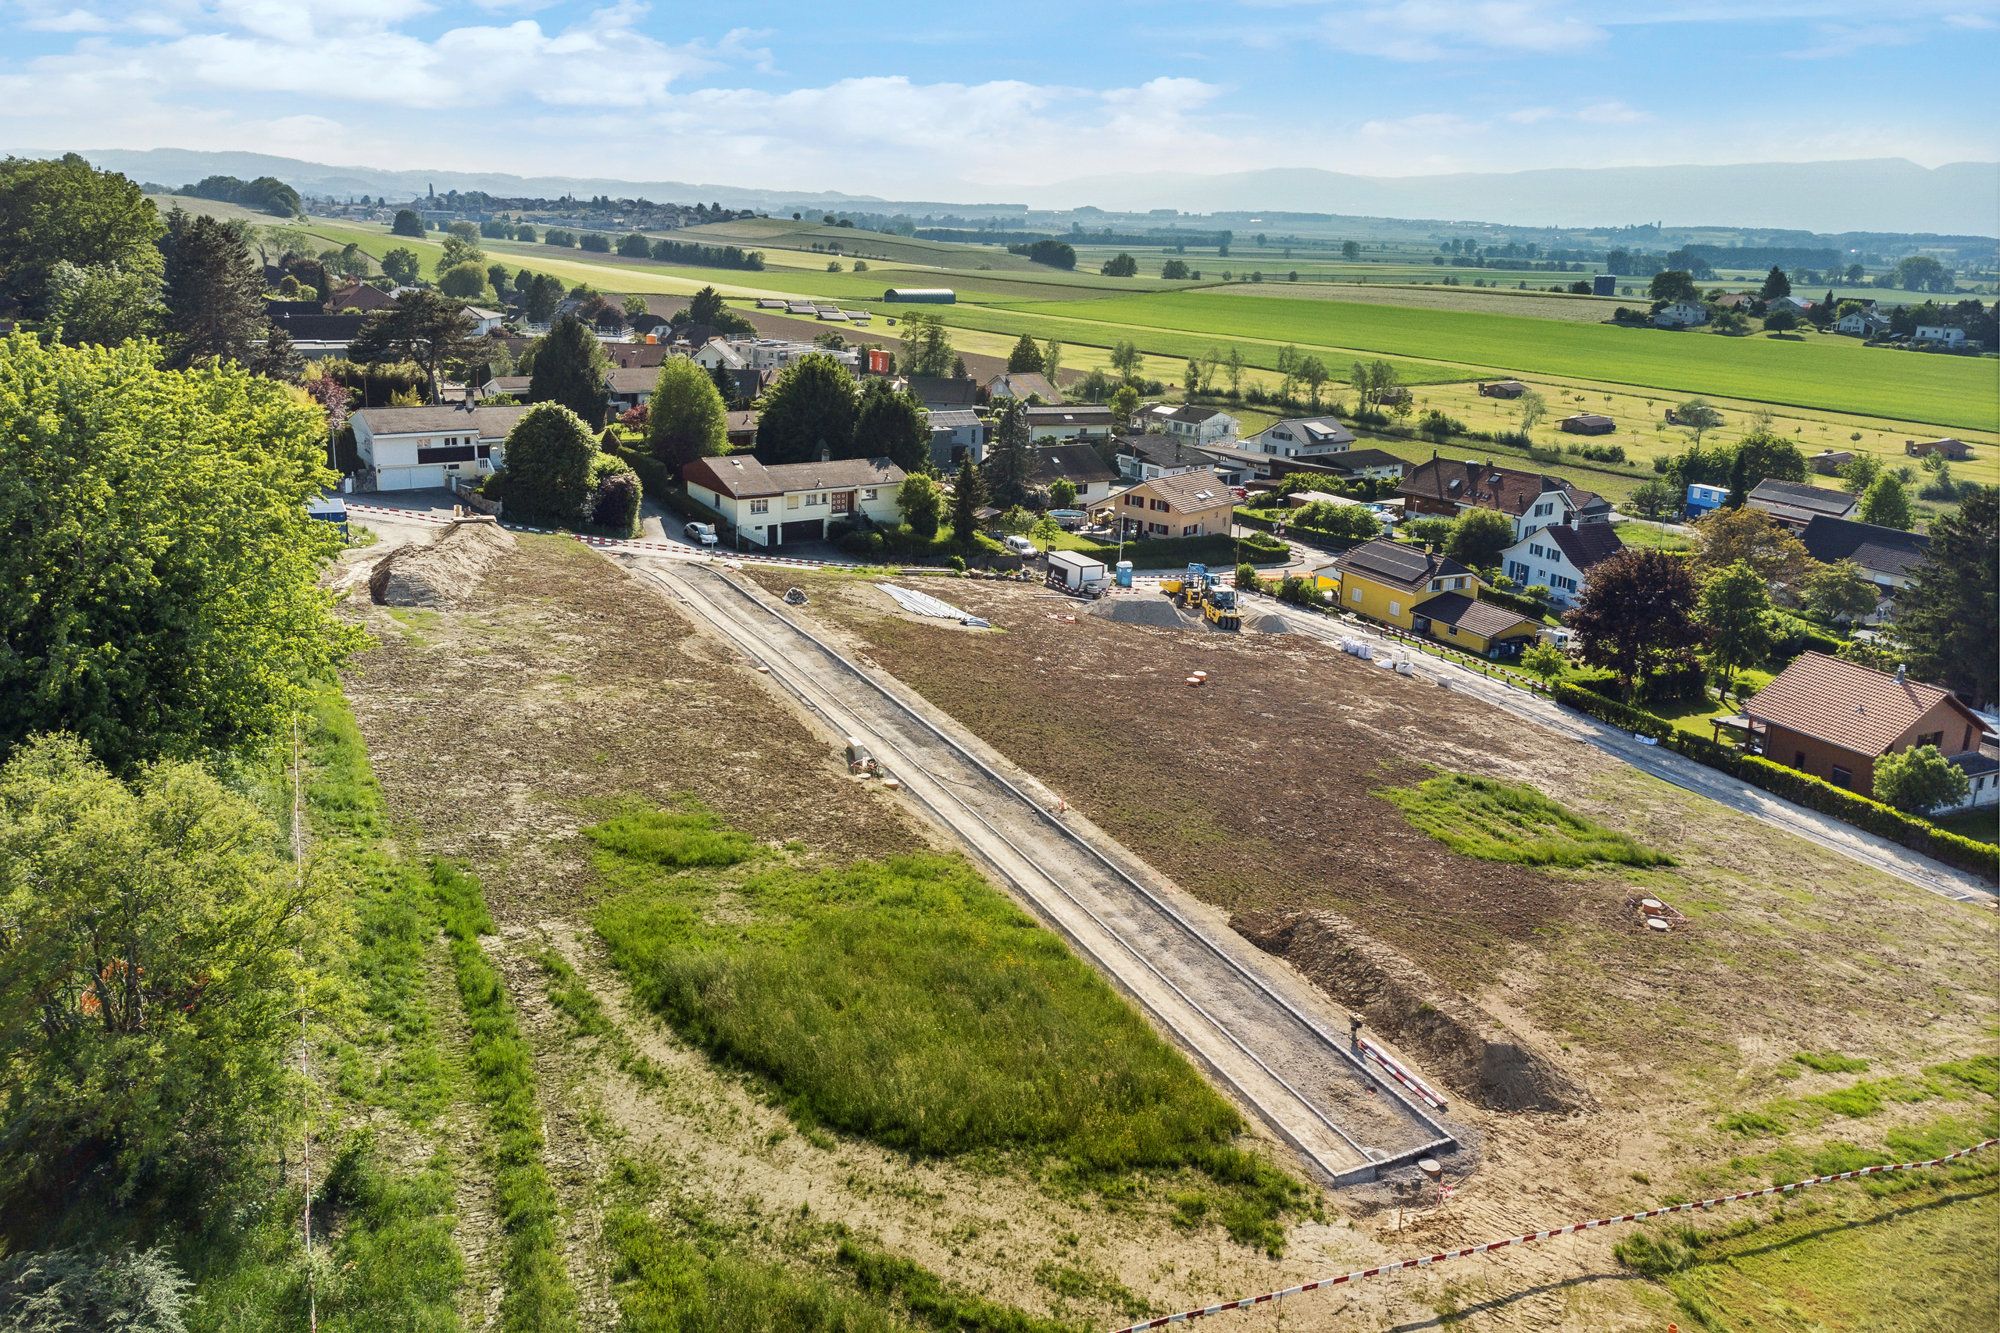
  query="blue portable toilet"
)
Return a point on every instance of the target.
[
  {"x": 1124, "y": 573},
  {"x": 1701, "y": 499}
]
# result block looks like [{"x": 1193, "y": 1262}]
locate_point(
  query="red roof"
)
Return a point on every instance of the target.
[{"x": 1854, "y": 707}]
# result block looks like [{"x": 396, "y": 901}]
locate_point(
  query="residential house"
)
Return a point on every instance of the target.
[
  {"x": 507, "y": 386},
  {"x": 1795, "y": 504},
  {"x": 1180, "y": 504},
  {"x": 640, "y": 354},
  {"x": 358, "y": 297},
  {"x": 1588, "y": 423},
  {"x": 628, "y": 387},
  {"x": 1736, "y": 300},
  {"x": 485, "y": 321},
  {"x": 1419, "y": 590},
  {"x": 1078, "y": 464},
  {"x": 1865, "y": 323},
  {"x": 1448, "y": 487},
  {"x": 719, "y": 352},
  {"x": 1026, "y": 385},
  {"x": 1834, "y": 719},
  {"x": 1791, "y": 303},
  {"x": 944, "y": 391},
  {"x": 1680, "y": 315},
  {"x": 741, "y": 427},
  {"x": 1079, "y": 421},
  {"x": 782, "y": 353},
  {"x": 1374, "y": 464},
  {"x": 1956, "y": 450},
  {"x": 316, "y": 335},
  {"x": 1888, "y": 556},
  {"x": 1502, "y": 389},
  {"x": 1143, "y": 457},
  {"x": 1236, "y": 465},
  {"x": 1302, "y": 438},
  {"x": 1829, "y": 462},
  {"x": 1198, "y": 425},
  {"x": 955, "y": 433},
  {"x": 1939, "y": 335},
  {"x": 1560, "y": 558},
  {"x": 793, "y": 502},
  {"x": 421, "y": 448}
]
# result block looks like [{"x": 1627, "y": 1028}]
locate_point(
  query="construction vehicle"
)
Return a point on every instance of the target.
[
  {"x": 1187, "y": 590},
  {"x": 1218, "y": 608},
  {"x": 1200, "y": 592}
]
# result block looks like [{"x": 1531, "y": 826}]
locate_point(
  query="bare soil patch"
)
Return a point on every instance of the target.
[{"x": 444, "y": 571}]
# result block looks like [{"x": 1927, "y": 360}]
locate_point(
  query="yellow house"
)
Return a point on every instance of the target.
[{"x": 1425, "y": 593}]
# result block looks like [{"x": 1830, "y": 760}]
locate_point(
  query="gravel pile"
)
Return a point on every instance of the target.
[{"x": 1155, "y": 611}]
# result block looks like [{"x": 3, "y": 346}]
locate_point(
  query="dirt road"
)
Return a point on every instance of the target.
[{"x": 1263, "y": 1034}]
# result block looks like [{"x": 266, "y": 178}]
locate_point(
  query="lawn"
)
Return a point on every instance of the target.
[
  {"x": 1827, "y": 372},
  {"x": 905, "y": 1001},
  {"x": 1504, "y": 821}
]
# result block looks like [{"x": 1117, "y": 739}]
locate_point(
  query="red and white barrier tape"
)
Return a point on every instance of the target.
[
  {"x": 1443, "y": 1256},
  {"x": 1406, "y": 1077}
]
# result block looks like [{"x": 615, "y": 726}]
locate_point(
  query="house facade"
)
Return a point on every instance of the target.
[
  {"x": 425, "y": 448},
  {"x": 1302, "y": 438},
  {"x": 1560, "y": 558},
  {"x": 793, "y": 502},
  {"x": 1862, "y": 324},
  {"x": 1079, "y": 465},
  {"x": 1680, "y": 315},
  {"x": 1939, "y": 335},
  {"x": 1025, "y": 385},
  {"x": 955, "y": 433},
  {"x": 1426, "y": 593},
  {"x": 1181, "y": 504},
  {"x": 1887, "y": 556},
  {"x": 1198, "y": 425},
  {"x": 1448, "y": 487},
  {"x": 1048, "y": 425},
  {"x": 1143, "y": 457},
  {"x": 1835, "y": 719}
]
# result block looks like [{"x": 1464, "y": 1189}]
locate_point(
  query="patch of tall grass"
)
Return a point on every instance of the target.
[
  {"x": 675, "y": 838},
  {"x": 538, "y": 1294},
  {"x": 1504, "y": 821},
  {"x": 906, "y": 1001},
  {"x": 930, "y": 1299}
]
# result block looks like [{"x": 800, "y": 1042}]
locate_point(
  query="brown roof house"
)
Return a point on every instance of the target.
[
  {"x": 1588, "y": 423},
  {"x": 1834, "y": 719},
  {"x": 782, "y": 503},
  {"x": 1449, "y": 487},
  {"x": 1955, "y": 450},
  {"x": 1180, "y": 504}
]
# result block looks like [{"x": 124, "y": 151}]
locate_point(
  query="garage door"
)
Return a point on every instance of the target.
[
  {"x": 804, "y": 530},
  {"x": 410, "y": 478}
]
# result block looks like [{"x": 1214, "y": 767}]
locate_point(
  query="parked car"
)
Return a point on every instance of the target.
[
  {"x": 1022, "y": 547},
  {"x": 701, "y": 534}
]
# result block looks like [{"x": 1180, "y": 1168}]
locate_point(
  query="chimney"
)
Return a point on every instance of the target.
[{"x": 1902, "y": 674}]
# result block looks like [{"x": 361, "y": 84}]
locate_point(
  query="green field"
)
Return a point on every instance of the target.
[{"x": 1835, "y": 373}]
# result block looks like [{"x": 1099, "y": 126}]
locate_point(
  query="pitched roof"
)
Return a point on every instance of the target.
[
  {"x": 738, "y": 422},
  {"x": 741, "y": 475},
  {"x": 638, "y": 354},
  {"x": 492, "y": 423},
  {"x": 1472, "y": 615},
  {"x": 1360, "y": 460},
  {"x": 1023, "y": 384},
  {"x": 1842, "y": 703},
  {"x": 1397, "y": 562},
  {"x": 1794, "y": 499},
  {"x": 1081, "y": 414},
  {"x": 1076, "y": 462},
  {"x": 1162, "y": 450},
  {"x": 1585, "y": 545},
  {"x": 634, "y": 379},
  {"x": 1481, "y": 484},
  {"x": 1188, "y": 491},
  {"x": 943, "y": 391},
  {"x": 952, "y": 418},
  {"x": 1884, "y": 550},
  {"x": 1193, "y": 415},
  {"x": 1320, "y": 431}
]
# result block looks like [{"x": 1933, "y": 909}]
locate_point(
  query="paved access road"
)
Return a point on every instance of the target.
[{"x": 1263, "y": 1033}]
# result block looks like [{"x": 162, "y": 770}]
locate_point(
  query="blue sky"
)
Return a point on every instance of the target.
[{"x": 962, "y": 101}]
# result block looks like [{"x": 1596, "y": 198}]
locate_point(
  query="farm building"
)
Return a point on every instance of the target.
[
  {"x": 1502, "y": 389},
  {"x": 1829, "y": 462},
  {"x": 1604, "y": 284},
  {"x": 1588, "y": 423},
  {"x": 921, "y": 295},
  {"x": 1795, "y": 504},
  {"x": 1955, "y": 450}
]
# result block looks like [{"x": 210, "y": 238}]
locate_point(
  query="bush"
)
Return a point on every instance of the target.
[
  {"x": 60, "y": 1290},
  {"x": 615, "y": 495}
]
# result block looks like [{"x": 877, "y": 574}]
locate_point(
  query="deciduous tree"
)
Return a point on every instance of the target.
[
  {"x": 1918, "y": 780},
  {"x": 1734, "y": 602},
  {"x": 686, "y": 417},
  {"x": 1697, "y": 417},
  {"x": 1724, "y": 537},
  {"x": 891, "y": 425},
  {"x": 926, "y": 346},
  {"x": 401, "y": 265},
  {"x": 1885, "y": 503},
  {"x": 1839, "y": 592},
  {"x": 809, "y": 411},
  {"x": 1478, "y": 536},
  {"x": 1636, "y": 610},
  {"x": 52, "y": 210},
  {"x": 921, "y": 503},
  {"x": 102, "y": 304},
  {"x": 548, "y": 479},
  {"x": 1673, "y": 285},
  {"x": 407, "y": 223},
  {"x": 423, "y": 326},
  {"x": 465, "y": 281}
]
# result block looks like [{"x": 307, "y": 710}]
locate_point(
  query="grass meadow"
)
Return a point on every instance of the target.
[{"x": 1503, "y": 821}]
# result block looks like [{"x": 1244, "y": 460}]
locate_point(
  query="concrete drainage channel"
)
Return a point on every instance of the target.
[{"x": 1313, "y": 1091}]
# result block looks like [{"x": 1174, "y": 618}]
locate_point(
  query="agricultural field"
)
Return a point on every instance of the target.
[
  {"x": 1479, "y": 900},
  {"x": 1537, "y": 304}
]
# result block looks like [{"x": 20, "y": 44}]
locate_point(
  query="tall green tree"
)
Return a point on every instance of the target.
[
  {"x": 1011, "y": 461},
  {"x": 1949, "y": 616},
  {"x": 1478, "y": 536},
  {"x": 1673, "y": 284},
  {"x": 465, "y": 281},
  {"x": 1052, "y": 361},
  {"x": 401, "y": 265},
  {"x": 891, "y": 425},
  {"x": 1839, "y": 592},
  {"x": 1126, "y": 358},
  {"x": 968, "y": 494},
  {"x": 1759, "y": 456},
  {"x": 151, "y": 988},
  {"x": 549, "y": 459},
  {"x": 102, "y": 304},
  {"x": 63, "y": 209},
  {"x": 1124, "y": 406},
  {"x": 1314, "y": 372},
  {"x": 1191, "y": 378},
  {"x": 810, "y": 410},
  {"x": 926, "y": 346},
  {"x": 1698, "y": 417},
  {"x": 407, "y": 223},
  {"x": 1776, "y": 285},
  {"x": 540, "y": 298},
  {"x": 423, "y": 326},
  {"x": 1734, "y": 602},
  {"x": 686, "y": 418},
  {"x": 1886, "y": 503},
  {"x": 1636, "y": 611},
  {"x": 570, "y": 368},
  {"x": 1026, "y": 356},
  {"x": 214, "y": 290},
  {"x": 159, "y": 580},
  {"x": 921, "y": 503},
  {"x": 1918, "y": 780}
]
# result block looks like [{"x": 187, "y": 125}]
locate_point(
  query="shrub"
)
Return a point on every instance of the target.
[
  {"x": 615, "y": 495},
  {"x": 55, "y": 1291}
]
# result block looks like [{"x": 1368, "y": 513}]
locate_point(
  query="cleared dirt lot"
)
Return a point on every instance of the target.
[{"x": 1255, "y": 792}]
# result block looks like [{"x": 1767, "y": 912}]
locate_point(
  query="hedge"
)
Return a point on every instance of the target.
[
  {"x": 1513, "y": 601},
  {"x": 1800, "y": 788}
]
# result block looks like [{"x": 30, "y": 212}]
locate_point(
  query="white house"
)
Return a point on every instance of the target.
[
  {"x": 1560, "y": 558},
  {"x": 779, "y": 353},
  {"x": 484, "y": 321},
  {"x": 1862, "y": 324},
  {"x": 1197, "y": 425},
  {"x": 1302, "y": 437},
  {"x": 1680, "y": 315},
  {"x": 792, "y": 502},
  {"x": 1081, "y": 421},
  {"x": 418, "y": 448},
  {"x": 717, "y": 352},
  {"x": 1944, "y": 335}
]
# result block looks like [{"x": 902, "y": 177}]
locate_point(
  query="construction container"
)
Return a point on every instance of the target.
[{"x": 1077, "y": 573}]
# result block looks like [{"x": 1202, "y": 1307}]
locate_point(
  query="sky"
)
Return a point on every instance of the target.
[{"x": 978, "y": 102}]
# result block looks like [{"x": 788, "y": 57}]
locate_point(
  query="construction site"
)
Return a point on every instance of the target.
[{"x": 1232, "y": 823}]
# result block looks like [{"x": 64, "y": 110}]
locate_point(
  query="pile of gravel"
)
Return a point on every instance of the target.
[
  {"x": 1268, "y": 623},
  {"x": 1157, "y": 612}
]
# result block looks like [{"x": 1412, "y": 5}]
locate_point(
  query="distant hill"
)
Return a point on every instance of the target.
[
  {"x": 1888, "y": 194},
  {"x": 1883, "y": 195}
]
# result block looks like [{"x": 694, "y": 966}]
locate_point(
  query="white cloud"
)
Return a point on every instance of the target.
[
  {"x": 68, "y": 20},
  {"x": 1978, "y": 22},
  {"x": 1415, "y": 30},
  {"x": 1611, "y": 112}
]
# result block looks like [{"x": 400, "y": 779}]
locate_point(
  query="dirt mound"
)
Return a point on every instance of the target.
[
  {"x": 1268, "y": 623},
  {"x": 443, "y": 571},
  {"x": 1155, "y": 611},
  {"x": 1465, "y": 1047}
]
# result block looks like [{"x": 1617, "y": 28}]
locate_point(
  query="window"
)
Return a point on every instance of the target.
[
  {"x": 1395, "y": 608},
  {"x": 1535, "y": 549},
  {"x": 794, "y": 501},
  {"x": 1437, "y": 585},
  {"x": 1190, "y": 530},
  {"x": 760, "y": 506},
  {"x": 1357, "y": 594},
  {"x": 1161, "y": 505},
  {"x": 447, "y": 453},
  {"x": 1931, "y": 738},
  {"x": 868, "y": 494},
  {"x": 1160, "y": 528},
  {"x": 1841, "y": 777},
  {"x": 1136, "y": 501},
  {"x": 1798, "y": 759}
]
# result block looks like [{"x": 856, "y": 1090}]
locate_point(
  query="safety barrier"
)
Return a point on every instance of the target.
[{"x": 1444, "y": 1256}]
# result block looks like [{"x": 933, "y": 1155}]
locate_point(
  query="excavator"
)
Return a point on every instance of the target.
[{"x": 1198, "y": 590}]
